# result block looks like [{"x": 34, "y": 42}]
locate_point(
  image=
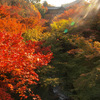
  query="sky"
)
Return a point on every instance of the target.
[{"x": 57, "y": 2}]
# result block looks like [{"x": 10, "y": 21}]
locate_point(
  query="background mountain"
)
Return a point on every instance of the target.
[{"x": 73, "y": 3}]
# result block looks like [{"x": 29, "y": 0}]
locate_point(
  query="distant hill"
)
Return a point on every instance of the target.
[{"x": 73, "y": 3}]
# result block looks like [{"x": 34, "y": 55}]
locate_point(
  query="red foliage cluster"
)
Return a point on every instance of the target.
[
  {"x": 20, "y": 60},
  {"x": 4, "y": 95},
  {"x": 3, "y": 92}
]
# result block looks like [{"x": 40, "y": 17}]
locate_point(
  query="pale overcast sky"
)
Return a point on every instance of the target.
[{"x": 57, "y": 2}]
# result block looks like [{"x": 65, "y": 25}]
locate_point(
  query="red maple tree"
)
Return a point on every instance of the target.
[{"x": 18, "y": 62}]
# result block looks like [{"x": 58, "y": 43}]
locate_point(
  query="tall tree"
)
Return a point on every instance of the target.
[{"x": 45, "y": 3}]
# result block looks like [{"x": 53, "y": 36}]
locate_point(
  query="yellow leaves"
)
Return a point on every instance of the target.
[
  {"x": 35, "y": 9},
  {"x": 32, "y": 34},
  {"x": 88, "y": 48},
  {"x": 36, "y": 34},
  {"x": 61, "y": 25},
  {"x": 97, "y": 46},
  {"x": 53, "y": 81},
  {"x": 46, "y": 35}
]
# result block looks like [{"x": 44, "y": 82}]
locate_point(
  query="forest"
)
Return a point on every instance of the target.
[{"x": 44, "y": 58}]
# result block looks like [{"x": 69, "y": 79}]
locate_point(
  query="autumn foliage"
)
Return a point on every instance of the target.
[
  {"x": 19, "y": 18},
  {"x": 4, "y": 95},
  {"x": 19, "y": 59},
  {"x": 70, "y": 12}
]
